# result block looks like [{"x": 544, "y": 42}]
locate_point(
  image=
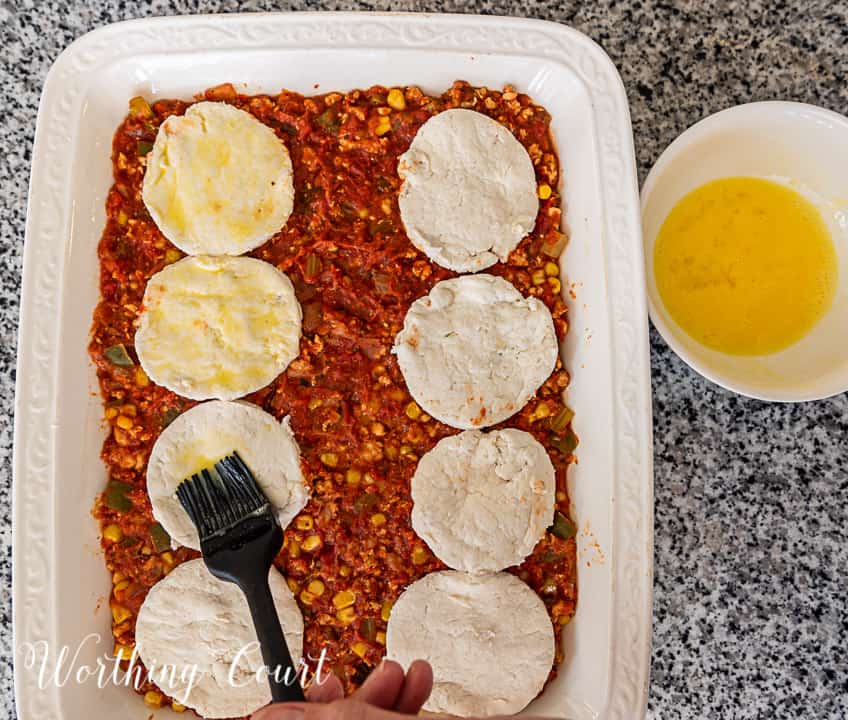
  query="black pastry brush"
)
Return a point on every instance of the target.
[{"x": 239, "y": 538}]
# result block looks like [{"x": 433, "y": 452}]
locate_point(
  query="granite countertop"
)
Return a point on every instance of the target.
[{"x": 751, "y": 529}]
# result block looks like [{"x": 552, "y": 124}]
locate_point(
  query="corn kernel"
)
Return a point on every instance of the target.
[
  {"x": 176, "y": 707},
  {"x": 544, "y": 191},
  {"x": 378, "y": 519},
  {"x": 381, "y": 637},
  {"x": 113, "y": 533},
  {"x": 121, "y": 586},
  {"x": 124, "y": 422},
  {"x": 304, "y": 522},
  {"x": 425, "y": 418},
  {"x": 316, "y": 587},
  {"x": 419, "y": 556},
  {"x": 117, "y": 577},
  {"x": 555, "y": 284},
  {"x": 396, "y": 100},
  {"x": 306, "y": 597},
  {"x": 167, "y": 557},
  {"x": 139, "y": 106},
  {"x": 551, "y": 269},
  {"x": 386, "y": 610},
  {"x": 293, "y": 586},
  {"x": 128, "y": 410},
  {"x": 122, "y": 217},
  {"x": 123, "y": 652},
  {"x": 346, "y": 615},
  {"x": 315, "y": 403},
  {"x": 330, "y": 459},
  {"x": 111, "y": 413},
  {"x": 120, "y": 613},
  {"x": 542, "y": 411},
  {"x": 413, "y": 412},
  {"x": 538, "y": 277},
  {"x": 153, "y": 698},
  {"x": 294, "y": 549},
  {"x": 343, "y": 599},
  {"x": 344, "y": 571},
  {"x": 313, "y": 542},
  {"x": 172, "y": 255},
  {"x": 141, "y": 378},
  {"x": 378, "y": 429},
  {"x": 383, "y": 125},
  {"x": 360, "y": 648},
  {"x": 353, "y": 476}
]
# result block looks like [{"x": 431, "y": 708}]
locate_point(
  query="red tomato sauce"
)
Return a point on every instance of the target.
[{"x": 351, "y": 551}]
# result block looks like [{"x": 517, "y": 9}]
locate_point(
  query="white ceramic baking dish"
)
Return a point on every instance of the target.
[{"x": 60, "y": 583}]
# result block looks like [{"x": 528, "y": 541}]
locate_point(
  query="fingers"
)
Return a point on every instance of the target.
[
  {"x": 387, "y": 688},
  {"x": 329, "y": 689},
  {"x": 416, "y": 688},
  {"x": 383, "y": 686}
]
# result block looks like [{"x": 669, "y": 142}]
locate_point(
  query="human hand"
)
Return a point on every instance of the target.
[{"x": 387, "y": 694}]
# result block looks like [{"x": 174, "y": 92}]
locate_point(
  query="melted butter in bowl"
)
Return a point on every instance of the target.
[
  {"x": 745, "y": 225},
  {"x": 745, "y": 265}
]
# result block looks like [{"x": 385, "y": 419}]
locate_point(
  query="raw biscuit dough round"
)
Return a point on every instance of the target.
[
  {"x": 488, "y": 638},
  {"x": 218, "y": 181},
  {"x": 217, "y": 326},
  {"x": 469, "y": 193},
  {"x": 474, "y": 350},
  {"x": 482, "y": 501},
  {"x": 203, "y": 435},
  {"x": 190, "y": 619}
]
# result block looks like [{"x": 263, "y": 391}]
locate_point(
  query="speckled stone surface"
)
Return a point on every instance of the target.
[{"x": 751, "y": 598}]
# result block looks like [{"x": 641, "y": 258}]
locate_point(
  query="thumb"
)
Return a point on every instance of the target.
[{"x": 349, "y": 709}]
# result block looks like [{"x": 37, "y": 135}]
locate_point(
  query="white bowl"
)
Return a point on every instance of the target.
[{"x": 805, "y": 147}]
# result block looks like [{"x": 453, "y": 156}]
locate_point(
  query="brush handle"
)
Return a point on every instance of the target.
[{"x": 275, "y": 652}]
